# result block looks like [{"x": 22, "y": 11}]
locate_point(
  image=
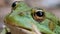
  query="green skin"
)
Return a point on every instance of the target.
[{"x": 21, "y": 16}]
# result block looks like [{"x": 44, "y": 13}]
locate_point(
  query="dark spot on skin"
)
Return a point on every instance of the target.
[
  {"x": 59, "y": 23},
  {"x": 8, "y": 33},
  {"x": 43, "y": 33}
]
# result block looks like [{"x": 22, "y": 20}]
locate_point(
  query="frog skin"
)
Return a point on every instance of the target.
[{"x": 24, "y": 16}]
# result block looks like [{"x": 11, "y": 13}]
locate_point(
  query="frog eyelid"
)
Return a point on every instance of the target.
[
  {"x": 39, "y": 10},
  {"x": 39, "y": 13}
]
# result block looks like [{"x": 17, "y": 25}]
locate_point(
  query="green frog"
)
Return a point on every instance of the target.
[{"x": 23, "y": 16}]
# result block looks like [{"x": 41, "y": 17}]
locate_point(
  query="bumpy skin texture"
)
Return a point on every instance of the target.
[{"x": 22, "y": 16}]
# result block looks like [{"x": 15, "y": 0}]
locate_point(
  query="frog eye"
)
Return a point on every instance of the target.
[
  {"x": 14, "y": 4},
  {"x": 38, "y": 15}
]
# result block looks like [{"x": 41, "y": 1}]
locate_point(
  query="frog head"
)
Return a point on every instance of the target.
[{"x": 23, "y": 16}]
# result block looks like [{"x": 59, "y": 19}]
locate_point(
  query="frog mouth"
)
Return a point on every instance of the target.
[
  {"x": 30, "y": 30},
  {"x": 24, "y": 28}
]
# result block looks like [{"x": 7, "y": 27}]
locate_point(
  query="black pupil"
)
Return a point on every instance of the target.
[
  {"x": 14, "y": 4},
  {"x": 40, "y": 14}
]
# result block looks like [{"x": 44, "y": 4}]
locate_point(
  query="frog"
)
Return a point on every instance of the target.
[{"x": 23, "y": 16}]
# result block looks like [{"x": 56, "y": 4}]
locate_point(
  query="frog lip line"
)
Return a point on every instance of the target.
[
  {"x": 24, "y": 28},
  {"x": 11, "y": 23},
  {"x": 19, "y": 27}
]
